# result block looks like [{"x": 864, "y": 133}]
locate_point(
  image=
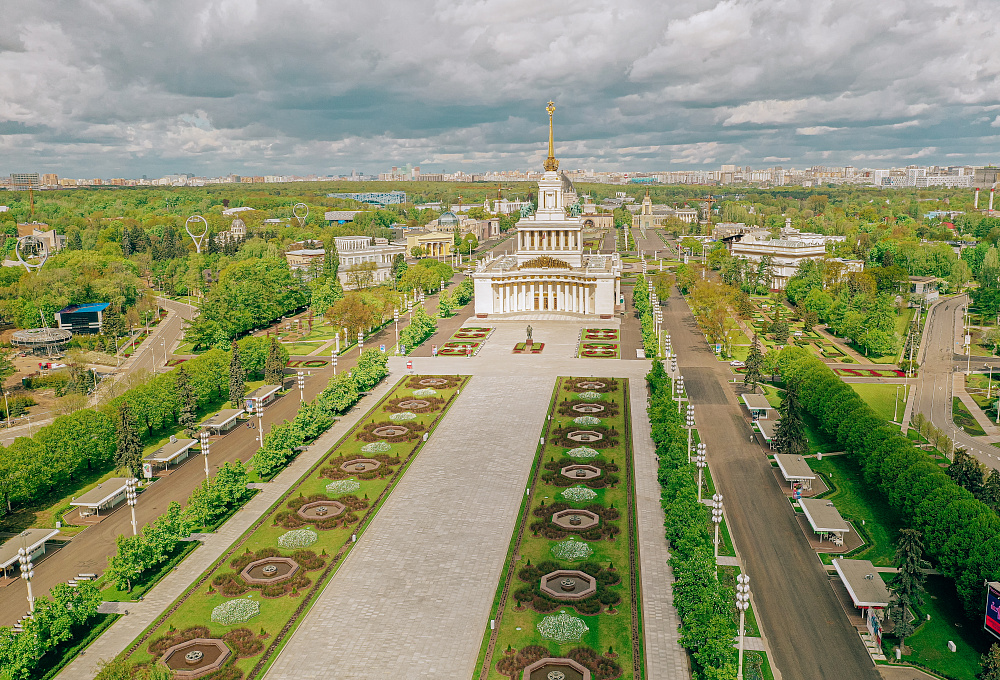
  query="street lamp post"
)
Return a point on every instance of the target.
[
  {"x": 701, "y": 462},
  {"x": 7, "y": 406},
  {"x": 302, "y": 385},
  {"x": 742, "y": 603},
  {"x": 690, "y": 426},
  {"x": 395, "y": 318},
  {"x": 163, "y": 344},
  {"x": 334, "y": 364},
  {"x": 361, "y": 342},
  {"x": 130, "y": 498},
  {"x": 27, "y": 572},
  {"x": 895, "y": 405},
  {"x": 204, "y": 449},
  {"x": 680, "y": 392},
  {"x": 717, "y": 520}
]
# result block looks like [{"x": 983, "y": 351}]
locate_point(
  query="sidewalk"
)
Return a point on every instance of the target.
[
  {"x": 141, "y": 614},
  {"x": 958, "y": 390}
]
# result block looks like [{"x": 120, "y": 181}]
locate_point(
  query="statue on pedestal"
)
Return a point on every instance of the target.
[{"x": 528, "y": 343}]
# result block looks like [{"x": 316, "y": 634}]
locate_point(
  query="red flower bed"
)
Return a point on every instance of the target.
[{"x": 458, "y": 348}]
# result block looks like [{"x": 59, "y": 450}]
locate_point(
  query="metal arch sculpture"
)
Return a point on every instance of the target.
[
  {"x": 34, "y": 249},
  {"x": 301, "y": 218},
  {"x": 199, "y": 238}
]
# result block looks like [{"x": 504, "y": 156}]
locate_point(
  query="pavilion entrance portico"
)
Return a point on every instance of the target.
[{"x": 543, "y": 294}]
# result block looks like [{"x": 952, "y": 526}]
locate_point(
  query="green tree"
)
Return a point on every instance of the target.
[
  {"x": 7, "y": 368},
  {"x": 902, "y": 619},
  {"x": 779, "y": 331},
  {"x": 128, "y": 452},
  {"x": 331, "y": 260},
  {"x": 129, "y": 561},
  {"x": 237, "y": 378},
  {"x": 967, "y": 472},
  {"x": 754, "y": 364},
  {"x": 398, "y": 266},
  {"x": 790, "y": 434},
  {"x": 274, "y": 368},
  {"x": 188, "y": 402},
  {"x": 908, "y": 582},
  {"x": 991, "y": 664}
]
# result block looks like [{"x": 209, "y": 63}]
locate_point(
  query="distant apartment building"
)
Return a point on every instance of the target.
[
  {"x": 50, "y": 180},
  {"x": 376, "y": 197},
  {"x": 340, "y": 216},
  {"x": 23, "y": 181}
]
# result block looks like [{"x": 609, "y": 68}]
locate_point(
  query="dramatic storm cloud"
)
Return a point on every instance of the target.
[{"x": 131, "y": 87}]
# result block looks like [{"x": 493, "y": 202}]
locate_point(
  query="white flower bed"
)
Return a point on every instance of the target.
[
  {"x": 299, "y": 538},
  {"x": 343, "y": 486},
  {"x": 376, "y": 447},
  {"x": 562, "y": 627},
  {"x": 587, "y": 420},
  {"x": 577, "y": 494},
  {"x": 589, "y": 396},
  {"x": 583, "y": 452},
  {"x": 425, "y": 392},
  {"x": 402, "y": 417},
  {"x": 572, "y": 550},
  {"x": 235, "y": 611}
]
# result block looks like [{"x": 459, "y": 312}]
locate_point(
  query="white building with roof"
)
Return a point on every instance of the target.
[
  {"x": 786, "y": 255},
  {"x": 357, "y": 250},
  {"x": 548, "y": 272}
]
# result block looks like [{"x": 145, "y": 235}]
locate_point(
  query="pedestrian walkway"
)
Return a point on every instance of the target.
[
  {"x": 665, "y": 658},
  {"x": 958, "y": 390},
  {"x": 413, "y": 598},
  {"x": 141, "y": 614}
]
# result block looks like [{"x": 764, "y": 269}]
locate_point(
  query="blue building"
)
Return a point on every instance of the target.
[
  {"x": 85, "y": 318},
  {"x": 376, "y": 197}
]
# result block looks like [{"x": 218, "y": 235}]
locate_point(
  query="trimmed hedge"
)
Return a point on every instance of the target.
[
  {"x": 640, "y": 300},
  {"x": 706, "y": 606},
  {"x": 961, "y": 534}
]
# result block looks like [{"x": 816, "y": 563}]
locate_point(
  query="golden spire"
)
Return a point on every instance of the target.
[{"x": 551, "y": 163}]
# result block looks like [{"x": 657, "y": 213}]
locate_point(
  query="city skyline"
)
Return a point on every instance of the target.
[{"x": 230, "y": 87}]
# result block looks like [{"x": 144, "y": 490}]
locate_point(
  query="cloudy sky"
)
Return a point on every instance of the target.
[{"x": 130, "y": 87}]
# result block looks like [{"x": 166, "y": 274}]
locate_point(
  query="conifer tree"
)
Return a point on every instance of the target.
[
  {"x": 790, "y": 434},
  {"x": 273, "y": 370},
  {"x": 189, "y": 405},
  {"x": 128, "y": 452},
  {"x": 237, "y": 378},
  {"x": 991, "y": 664},
  {"x": 908, "y": 582},
  {"x": 754, "y": 364}
]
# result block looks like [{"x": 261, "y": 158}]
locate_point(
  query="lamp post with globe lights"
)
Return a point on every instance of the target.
[
  {"x": 27, "y": 573},
  {"x": 701, "y": 461},
  {"x": 301, "y": 377},
  {"x": 131, "y": 499},
  {"x": 205, "y": 445},
  {"x": 717, "y": 520},
  {"x": 680, "y": 393},
  {"x": 395, "y": 319},
  {"x": 690, "y": 426},
  {"x": 742, "y": 603}
]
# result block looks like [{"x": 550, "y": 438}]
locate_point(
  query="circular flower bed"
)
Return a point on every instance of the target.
[
  {"x": 562, "y": 627},
  {"x": 587, "y": 420},
  {"x": 425, "y": 392},
  {"x": 343, "y": 486},
  {"x": 402, "y": 417},
  {"x": 589, "y": 396},
  {"x": 376, "y": 447},
  {"x": 572, "y": 550},
  {"x": 235, "y": 611},
  {"x": 583, "y": 452},
  {"x": 579, "y": 494},
  {"x": 299, "y": 538}
]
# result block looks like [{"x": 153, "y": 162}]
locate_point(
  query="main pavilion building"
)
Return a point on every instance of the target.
[{"x": 548, "y": 270}]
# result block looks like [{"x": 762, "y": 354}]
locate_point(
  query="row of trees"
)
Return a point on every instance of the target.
[
  {"x": 705, "y": 605},
  {"x": 315, "y": 417},
  {"x": 457, "y": 298},
  {"x": 643, "y": 307},
  {"x": 88, "y": 440},
  {"x": 961, "y": 532},
  {"x": 65, "y": 614}
]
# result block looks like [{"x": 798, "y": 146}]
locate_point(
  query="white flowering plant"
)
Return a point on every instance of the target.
[
  {"x": 562, "y": 627},
  {"x": 299, "y": 538},
  {"x": 577, "y": 494},
  {"x": 587, "y": 420},
  {"x": 376, "y": 447},
  {"x": 589, "y": 396},
  {"x": 235, "y": 611},
  {"x": 403, "y": 417},
  {"x": 571, "y": 550},
  {"x": 424, "y": 392},
  {"x": 583, "y": 452},
  {"x": 343, "y": 486}
]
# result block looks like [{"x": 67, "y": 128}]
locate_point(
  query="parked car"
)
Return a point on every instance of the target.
[{"x": 736, "y": 363}]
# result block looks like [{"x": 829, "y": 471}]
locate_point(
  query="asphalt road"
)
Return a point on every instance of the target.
[
  {"x": 933, "y": 392},
  {"x": 88, "y": 551},
  {"x": 808, "y": 633}
]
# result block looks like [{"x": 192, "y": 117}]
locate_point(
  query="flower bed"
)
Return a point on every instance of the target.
[
  {"x": 424, "y": 392},
  {"x": 583, "y": 452},
  {"x": 587, "y": 420},
  {"x": 579, "y": 494},
  {"x": 402, "y": 417},
  {"x": 459, "y": 348},
  {"x": 562, "y": 628},
  {"x": 571, "y": 550},
  {"x": 236, "y": 611},
  {"x": 522, "y": 348},
  {"x": 300, "y": 538},
  {"x": 870, "y": 372},
  {"x": 343, "y": 486},
  {"x": 376, "y": 447},
  {"x": 599, "y": 350},
  {"x": 610, "y": 334}
]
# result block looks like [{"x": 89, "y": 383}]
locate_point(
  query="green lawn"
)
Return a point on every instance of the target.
[
  {"x": 929, "y": 643},
  {"x": 302, "y": 348},
  {"x": 882, "y": 398},
  {"x": 963, "y": 418},
  {"x": 859, "y": 503},
  {"x": 517, "y": 627},
  {"x": 195, "y": 607}
]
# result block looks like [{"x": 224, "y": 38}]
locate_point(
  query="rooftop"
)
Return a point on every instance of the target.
[
  {"x": 170, "y": 450},
  {"x": 101, "y": 493},
  {"x": 823, "y": 516},
  {"x": 794, "y": 466},
  {"x": 757, "y": 402},
  {"x": 263, "y": 391},
  {"x": 84, "y": 308},
  {"x": 222, "y": 417},
  {"x": 864, "y": 584},
  {"x": 28, "y": 539}
]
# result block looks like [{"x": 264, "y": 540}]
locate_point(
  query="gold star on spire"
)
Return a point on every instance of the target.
[{"x": 551, "y": 163}]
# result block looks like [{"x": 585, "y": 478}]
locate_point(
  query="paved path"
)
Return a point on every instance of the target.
[
  {"x": 665, "y": 658},
  {"x": 117, "y": 638},
  {"x": 808, "y": 635},
  {"x": 414, "y": 595}
]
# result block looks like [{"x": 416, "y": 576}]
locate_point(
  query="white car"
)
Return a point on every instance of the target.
[{"x": 736, "y": 363}]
